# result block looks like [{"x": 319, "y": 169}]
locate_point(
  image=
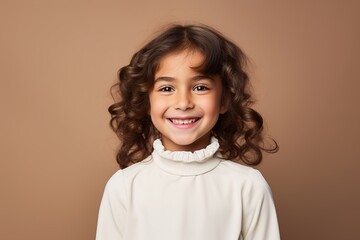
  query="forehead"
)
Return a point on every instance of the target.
[{"x": 187, "y": 58}]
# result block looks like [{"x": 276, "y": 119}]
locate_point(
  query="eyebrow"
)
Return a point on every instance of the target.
[{"x": 195, "y": 78}]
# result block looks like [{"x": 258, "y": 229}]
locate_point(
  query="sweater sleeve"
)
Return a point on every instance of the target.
[
  {"x": 112, "y": 212},
  {"x": 259, "y": 215}
]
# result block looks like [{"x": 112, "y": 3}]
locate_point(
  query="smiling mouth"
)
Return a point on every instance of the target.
[{"x": 183, "y": 121}]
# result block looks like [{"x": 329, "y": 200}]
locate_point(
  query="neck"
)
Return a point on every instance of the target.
[{"x": 198, "y": 144}]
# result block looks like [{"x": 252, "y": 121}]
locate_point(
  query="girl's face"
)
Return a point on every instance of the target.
[{"x": 184, "y": 104}]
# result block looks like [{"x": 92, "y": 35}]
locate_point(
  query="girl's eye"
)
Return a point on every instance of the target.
[
  {"x": 200, "y": 88},
  {"x": 166, "y": 89}
]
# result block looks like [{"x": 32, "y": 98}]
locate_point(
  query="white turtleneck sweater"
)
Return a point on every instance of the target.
[{"x": 187, "y": 196}]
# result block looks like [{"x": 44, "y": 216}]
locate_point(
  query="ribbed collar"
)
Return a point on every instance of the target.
[{"x": 185, "y": 163}]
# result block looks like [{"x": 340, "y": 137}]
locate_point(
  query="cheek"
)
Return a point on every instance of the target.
[
  {"x": 157, "y": 106},
  {"x": 211, "y": 104}
]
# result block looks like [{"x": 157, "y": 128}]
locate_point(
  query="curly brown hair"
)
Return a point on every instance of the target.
[{"x": 239, "y": 130}]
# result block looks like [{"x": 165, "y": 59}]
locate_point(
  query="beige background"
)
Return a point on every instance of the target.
[{"x": 59, "y": 58}]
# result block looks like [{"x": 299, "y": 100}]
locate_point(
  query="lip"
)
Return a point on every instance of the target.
[{"x": 183, "y": 122}]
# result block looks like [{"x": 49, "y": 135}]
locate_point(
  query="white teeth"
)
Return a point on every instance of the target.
[{"x": 183, "y": 121}]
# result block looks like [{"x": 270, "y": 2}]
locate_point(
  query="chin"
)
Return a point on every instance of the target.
[{"x": 184, "y": 142}]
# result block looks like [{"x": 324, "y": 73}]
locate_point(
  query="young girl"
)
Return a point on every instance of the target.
[{"x": 185, "y": 123}]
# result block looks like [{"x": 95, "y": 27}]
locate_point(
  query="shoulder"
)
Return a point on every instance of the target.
[
  {"x": 124, "y": 175},
  {"x": 236, "y": 169},
  {"x": 251, "y": 178}
]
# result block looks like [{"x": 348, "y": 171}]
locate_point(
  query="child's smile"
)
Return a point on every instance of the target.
[
  {"x": 187, "y": 122},
  {"x": 185, "y": 104}
]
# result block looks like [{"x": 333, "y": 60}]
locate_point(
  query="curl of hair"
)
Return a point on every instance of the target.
[{"x": 239, "y": 130}]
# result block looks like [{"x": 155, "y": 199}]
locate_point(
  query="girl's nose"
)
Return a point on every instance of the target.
[{"x": 184, "y": 101}]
